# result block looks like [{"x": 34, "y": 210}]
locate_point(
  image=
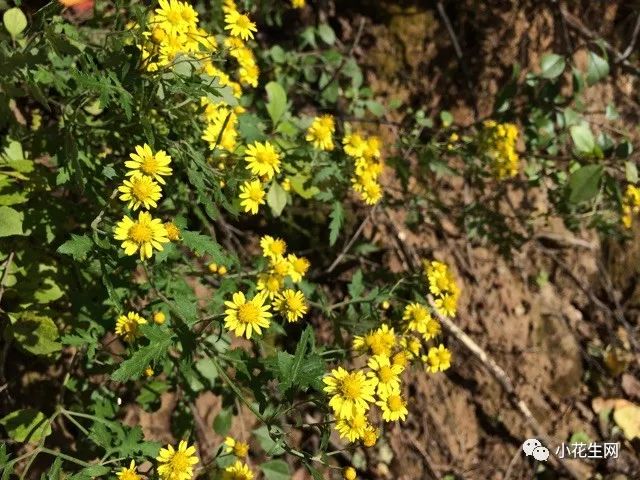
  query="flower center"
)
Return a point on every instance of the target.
[
  {"x": 243, "y": 22},
  {"x": 248, "y": 313},
  {"x": 267, "y": 158},
  {"x": 149, "y": 165},
  {"x": 394, "y": 402},
  {"x": 180, "y": 462},
  {"x": 385, "y": 374},
  {"x": 351, "y": 387},
  {"x": 174, "y": 17},
  {"x": 142, "y": 189},
  {"x": 294, "y": 304},
  {"x": 140, "y": 233},
  {"x": 273, "y": 284},
  {"x": 256, "y": 194},
  {"x": 358, "y": 422},
  {"x": 241, "y": 449}
]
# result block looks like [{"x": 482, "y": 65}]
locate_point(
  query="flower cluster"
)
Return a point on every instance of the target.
[
  {"x": 630, "y": 205},
  {"x": 365, "y": 152},
  {"x": 320, "y": 132},
  {"x": 443, "y": 286},
  {"x": 141, "y": 189},
  {"x": 172, "y": 31},
  {"x": 245, "y": 316},
  {"x": 498, "y": 142}
]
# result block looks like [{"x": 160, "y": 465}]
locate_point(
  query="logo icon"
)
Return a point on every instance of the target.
[{"x": 533, "y": 447}]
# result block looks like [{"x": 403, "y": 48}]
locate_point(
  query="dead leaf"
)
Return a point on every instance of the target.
[{"x": 628, "y": 419}]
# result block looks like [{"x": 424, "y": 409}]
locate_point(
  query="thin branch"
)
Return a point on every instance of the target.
[{"x": 632, "y": 43}]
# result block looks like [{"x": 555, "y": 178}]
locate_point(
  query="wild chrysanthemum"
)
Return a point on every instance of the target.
[
  {"x": 432, "y": 329},
  {"x": 447, "y": 305},
  {"x": 273, "y": 248},
  {"x": 352, "y": 428},
  {"x": 297, "y": 3},
  {"x": 354, "y": 145},
  {"x": 252, "y": 196},
  {"x": 291, "y": 304},
  {"x": 173, "y": 232},
  {"x": 630, "y": 205},
  {"x": 169, "y": 15},
  {"x": 237, "y": 471},
  {"x": 145, "y": 161},
  {"x": 298, "y": 267},
  {"x": 159, "y": 317},
  {"x": 280, "y": 267},
  {"x": 400, "y": 358},
  {"x": 177, "y": 464},
  {"x": 262, "y": 159},
  {"x": 393, "y": 407},
  {"x": 438, "y": 359},
  {"x": 351, "y": 392},
  {"x": 127, "y": 326},
  {"x": 239, "y": 25},
  {"x": 498, "y": 141},
  {"x": 417, "y": 317},
  {"x": 128, "y": 473},
  {"x": 143, "y": 234},
  {"x": 140, "y": 190},
  {"x": 244, "y": 316},
  {"x": 370, "y": 437},
  {"x": 239, "y": 449},
  {"x": 378, "y": 342},
  {"x": 386, "y": 375},
  {"x": 349, "y": 473},
  {"x": 411, "y": 346},
  {"x": 320, "y": 133},
  {"x": 269, "y": 284}
]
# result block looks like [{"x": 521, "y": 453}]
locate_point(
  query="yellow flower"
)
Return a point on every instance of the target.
[
  {"x": 349, "y": 473},
  {"x": 352, "y": 428},
  {"x": 498, "y": 140},
  {"x": 213, "y": 267},
  {"x": 262, "y": 159},
  {"x": 170, "y": 16},
  {"x": 351, "y": 392},
  {"x": 385, "y": 305},
  {"x": 128, "y": 473},
  {"x": 270, "y": 284},
  {"x": 432, "y": 330},
  {"x": 240, "y": 25},
  {"x": 297, "y": 3},
  {"x": 252, "y": 196},
  {"x": 298, "y": 267},
  {"x": 159, "y": 317},
  {"x": 400, "y": 358},
  {"x": 320, "y": 133},
  {"x": 237, "y": 471},
  {"x": 411, "y": 346},
  {"x": 144, "y": 235},
  {"x": 222, "y": 270},
  {"x": 370, "y": 437},
  {"x": 447, "y": 305},
  {"x": 145, "y": 161},
  {"x": 177, "y": 464},
  {"x": 291, "y": 304},
  {"x": 273, "y": 248},
  {"x": 148, "y": 372},
  {"x": 438, "y": 359},
  {"x": 173, "y": 232},
  {"x": 387, "y": 376},
  {"x": 244, "y": 316},
  {"x": 249, "y": 73},
  {"x": 239, "y": 449},
  {"x": 140, "y": 190},
  {"x": 393, "y": 407},
  {"x": 630, "y": 205},
  {"x": 417, "y": 317},
  {"x": 127, "y": 326},
  {"x": 378, "y": 342},
  {"x": 354, "y": 145},
  {"x": 280, "y": 267},
  {"x": 370, "y": 191}
]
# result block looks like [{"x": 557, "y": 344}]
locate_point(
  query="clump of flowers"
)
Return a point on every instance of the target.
[
  {"x": 498, "y": 143},
  {"x": 630, "y": 205},
  {"x": 320, "y": 132},
  {"x": 389, "y": 350},
  {"x": 274, "y": 285},
  {"x": 366, "y": 154},
  {"x": 442, "y": 285}
]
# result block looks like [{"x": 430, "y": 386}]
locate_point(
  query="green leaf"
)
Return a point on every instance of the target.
[
  {"x": 141, "y": 359},
  {"x": 356, "y": 287},
  {"x": 34, "y": 333},
  {"x": 94, "y": 471},
  {"x": 446, "y": 118},
  {"x": 201, "y": 244},
  {"x": 631, "y": 172},
  {"x": 78, "y": 247},
  {"x": 222, "y": 422},
  {"x": 10, "y": 222},
  {"x": 327, "y": 34},
  {"x": 583, "y": 138},
  {"x": 267, "y": 443},
  {"x": 277, "y": 101},
  {"x": 552, "y": 65},
  {"x": 337, "y": 219},
  {"x": 276, "y": 199},
  {"x": 276, "y": 470},
  {"x": 598, "y": 68},
  {"x": 584, "y": 183},
  {"x": 27, "y": 425},
  {"x": 297, "y": 184},
  {"x": 14, "y": 21}
]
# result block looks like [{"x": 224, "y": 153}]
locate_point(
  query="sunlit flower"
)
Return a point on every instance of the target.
[
  {"x": 128, "y": 473},
  {"x": 387, "y": 376},
  {"x": 144, "y": 235},
  {"x": 393, "y": 407},
  {"x": 252, "y": 196},
  {"x": 237, "y": 471},
  {"x": 298, "y": 267},
  {"x": 177, "y": 464},
  {"x": 351, "y": 392},
  {"x": 273, "y": 248},
  {"x": 173, "y": 232},
  {"x": 438, "y": 359},
  {"x": 291, "y": 304},
  {"x": 239, "y": 449},
  {"x": 320, "y": 133},
  {"x": 244, "y": 316},
  {"x": 145, "y": 161},
  {"x": 262, "y": 159},
  {"x": 239, "y": 25},
  {"x": 140, "y": 190},
  {"x": 353, "y": 428}
]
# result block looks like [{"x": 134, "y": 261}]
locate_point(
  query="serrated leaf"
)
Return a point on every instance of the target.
[
  {"x": 276, "y": 470},
  {"x": 337, "y": 219},
  {"x": 201, "y": 244},
  {"x": 78, "y": 247},
  {"x": 277, "y": 101},
  {"x": 356, "y": 286},
  {"x": 276, "y": 199},
  {"x": 26, "y": 425},
  {"x": 141, "y": 359},
  {"x": 14, "y": 21},
  {"x": 35, "y": 333},
  {"x": 10, "y": 222},
  {"x": 584, "y": 183},
  {"x": 552, "y": 65}
]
